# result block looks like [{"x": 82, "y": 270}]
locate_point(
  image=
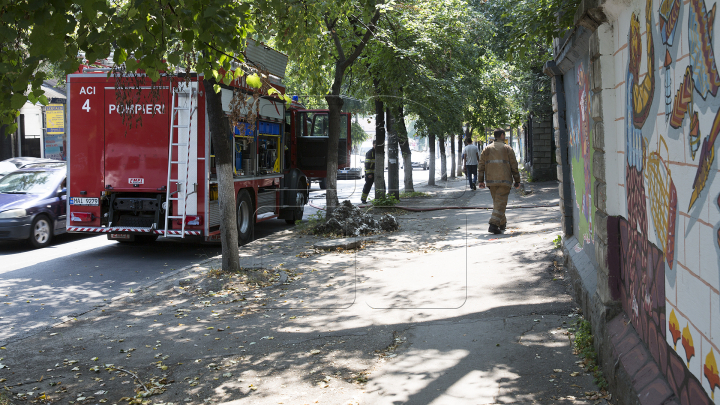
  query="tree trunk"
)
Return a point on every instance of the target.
[
  {"x": 431, "y": 147},
  {"x": 452, "y": 157},
  {"x": 405, "y": 149},
  {"x": 443, "y": 159},
  {"x": 460, "y": 151},
  {"x": 393, "y": 163},
  {"x": 219, "y": 132},
  {"x": 335, "y": 104},
  {"x": 379, "y": 149}
]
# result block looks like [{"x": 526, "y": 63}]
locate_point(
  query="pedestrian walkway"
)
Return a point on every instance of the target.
[{"x": 440, "y": 312}]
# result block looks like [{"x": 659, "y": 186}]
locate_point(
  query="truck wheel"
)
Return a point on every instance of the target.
[
  {"x": 299, "y": 203},
  {"x": 40, "y": 232},
  {"x": 323, "y": 184},
  {"x": 245, "y": 217}
]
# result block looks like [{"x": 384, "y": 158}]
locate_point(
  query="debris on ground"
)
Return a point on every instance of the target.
[{"x": 349, "y": 220}]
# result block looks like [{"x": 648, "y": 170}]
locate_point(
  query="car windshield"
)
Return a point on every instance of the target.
[
  {"x": 30, "y": 182},
  {"x": 6, "y": 167}
]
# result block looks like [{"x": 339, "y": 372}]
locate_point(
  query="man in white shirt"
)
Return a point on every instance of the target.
[{"x": 471, "y": 156}]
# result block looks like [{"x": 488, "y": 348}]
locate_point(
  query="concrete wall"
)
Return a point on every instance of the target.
[{"x": 641, "y": 118}]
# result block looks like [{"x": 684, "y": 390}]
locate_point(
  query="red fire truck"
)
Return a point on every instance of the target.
[{"x": 158, "y": 176}]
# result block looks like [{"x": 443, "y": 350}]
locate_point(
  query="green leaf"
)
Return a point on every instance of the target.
[
  {"x": 17, "y": 101},
  {"x": 217, "y": 88},
  {"x": 211, "y": 11},
  {"x": 188, "y": 36},
  {"x": 132, "y": 12},
  {"x": 254, "y": 81},
  {"x": 131, "y": 64},
  {"x": 119, "y": 56}
]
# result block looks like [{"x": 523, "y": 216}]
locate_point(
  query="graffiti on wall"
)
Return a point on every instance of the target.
[
  {"x": 650, "y": 232},
  {"x": 580, "y": 147}
]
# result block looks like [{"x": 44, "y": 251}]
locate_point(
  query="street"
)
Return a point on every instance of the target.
[
  {"x": 437, "y": 312},
  {"x": 78, "y": 272}
]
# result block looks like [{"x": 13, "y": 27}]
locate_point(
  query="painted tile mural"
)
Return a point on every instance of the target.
[
  {"x": 581, "y": 150},
  {"x": 667, "y": 122}
]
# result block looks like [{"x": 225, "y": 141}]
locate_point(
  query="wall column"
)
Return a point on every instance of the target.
[{"x": 561, "y": 152}]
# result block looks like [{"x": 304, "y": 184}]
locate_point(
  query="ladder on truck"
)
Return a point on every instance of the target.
[{"x": 184, "y": 105}]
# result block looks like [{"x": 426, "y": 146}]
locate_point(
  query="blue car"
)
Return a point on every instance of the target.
[{"x": 32, "y": 204}]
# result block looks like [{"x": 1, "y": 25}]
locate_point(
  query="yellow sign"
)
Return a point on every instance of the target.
[
  {"x": 55, "y": 118},
  {"x": 55, "y": 131}
]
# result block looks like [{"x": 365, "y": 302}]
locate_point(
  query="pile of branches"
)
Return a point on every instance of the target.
[{"x": 349, "y": 220}]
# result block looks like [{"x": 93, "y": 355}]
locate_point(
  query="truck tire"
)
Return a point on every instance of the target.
[
  {"x": 41, "y": 232},
  {"x": 245, "y": 217},
  {"x": 323, "y": 183},
  {"x": 299, "y": 202}
]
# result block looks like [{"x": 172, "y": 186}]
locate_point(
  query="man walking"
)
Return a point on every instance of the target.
[
  {"x": 470, "y": 161},
  {"x": 369, "y": 173},
  {"x": 498, "y": 168}
]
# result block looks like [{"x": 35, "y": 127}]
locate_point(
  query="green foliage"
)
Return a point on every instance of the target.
[
  {"x": 527, "y": 174},
  {"x": 310, "y": 223},
  {"x": 557, "y": 242},
  {"x": 358, "y": 134},
  {"x": 387, "y": 200},
  {"x": 583, "y": 345},
  {"x": 206, "y": 36},
  {"x": 414, "y": 194}
]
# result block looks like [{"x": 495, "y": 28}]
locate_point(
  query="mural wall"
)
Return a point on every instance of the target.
[
  {"x": 580, "y": 137},
  {"x": 665, "y": 125}
]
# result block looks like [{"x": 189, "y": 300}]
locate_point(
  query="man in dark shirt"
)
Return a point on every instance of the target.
[{"x": 369, "y": 173}]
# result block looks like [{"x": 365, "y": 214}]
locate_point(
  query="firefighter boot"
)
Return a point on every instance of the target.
[
  {"x": 363, "y": 198},
  {"x": 494, "y": 229}
]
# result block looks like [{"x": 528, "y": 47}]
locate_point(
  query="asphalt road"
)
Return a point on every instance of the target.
[{"x": 39, "y": 288}]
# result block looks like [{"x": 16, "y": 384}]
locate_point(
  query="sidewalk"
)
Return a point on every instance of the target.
[{"x": 439, "y": 312}]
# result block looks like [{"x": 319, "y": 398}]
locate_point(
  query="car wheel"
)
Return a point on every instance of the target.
[
  {"x": 245, "y": 217},
  {"x": 40, "y": 232},
  {"x": 323, "y": 184}
]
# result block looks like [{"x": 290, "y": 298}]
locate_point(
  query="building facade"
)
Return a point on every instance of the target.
[{"x": 637, "y": 117}]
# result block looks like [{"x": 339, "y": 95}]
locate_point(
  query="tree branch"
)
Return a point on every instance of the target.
[
  {"x": 331, "y": 27},
  {"x": 359, "y": 48}
]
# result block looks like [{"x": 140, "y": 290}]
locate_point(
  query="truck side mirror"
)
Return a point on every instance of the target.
[{"x": 62, "y": 192}]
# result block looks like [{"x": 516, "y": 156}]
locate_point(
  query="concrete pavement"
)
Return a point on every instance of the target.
[{"x": 440, "y": 312}]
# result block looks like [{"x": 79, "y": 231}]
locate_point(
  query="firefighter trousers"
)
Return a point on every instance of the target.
[
  {"x": 499, "y": 195},
  {"x": 369, "y": 180}
]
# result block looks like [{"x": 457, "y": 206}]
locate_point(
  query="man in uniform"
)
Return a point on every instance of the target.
[
  {"x": 498, "y": 168},
  {"x": 369, "y": 173}
]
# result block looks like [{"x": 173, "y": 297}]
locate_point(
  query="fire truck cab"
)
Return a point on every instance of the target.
[{"x": 157, "y": 177}]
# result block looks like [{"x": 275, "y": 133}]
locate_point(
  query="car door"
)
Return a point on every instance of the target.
[
  {"x": 59, "y": 207},
  {"x": 312, "y": 139}
]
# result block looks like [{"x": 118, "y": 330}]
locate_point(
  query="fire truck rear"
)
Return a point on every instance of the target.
[{"x": 144, "y": 166}]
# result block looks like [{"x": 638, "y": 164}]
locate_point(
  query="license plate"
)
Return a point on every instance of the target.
[
  {"x": 121, "y": 236},
  {"x": 94, "y": 201}
]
